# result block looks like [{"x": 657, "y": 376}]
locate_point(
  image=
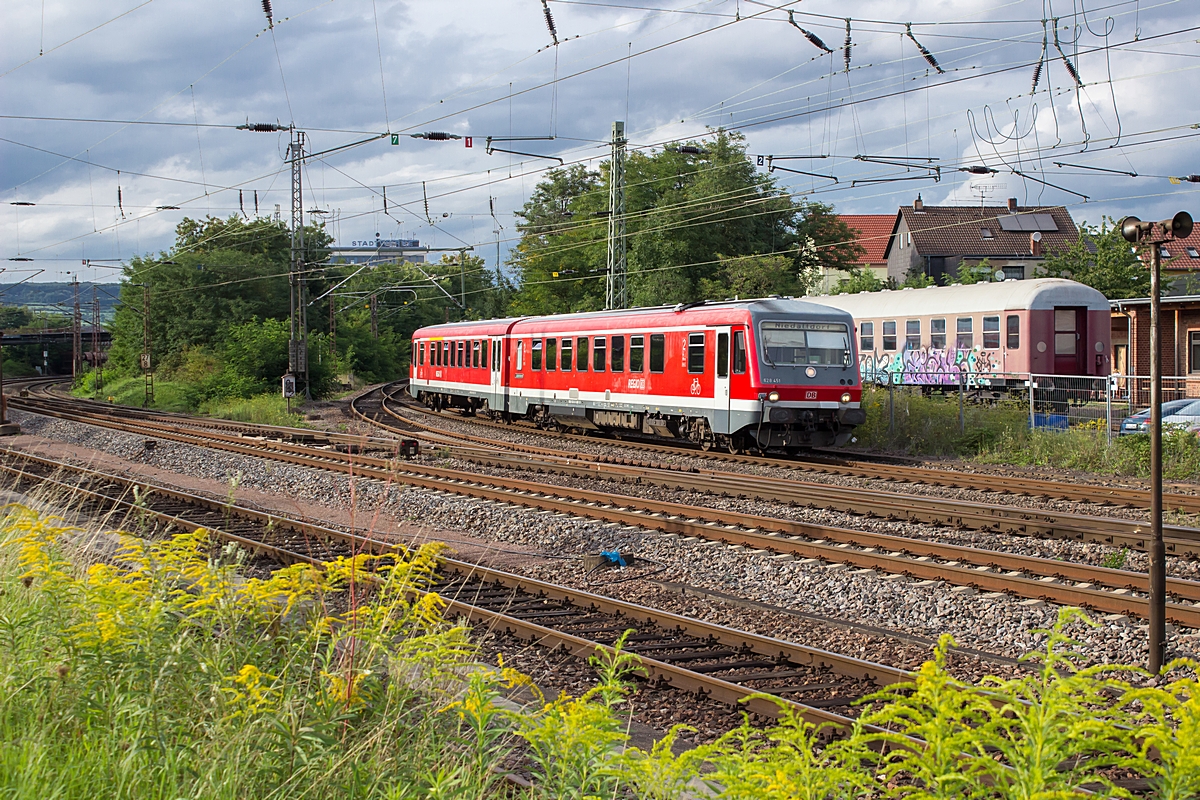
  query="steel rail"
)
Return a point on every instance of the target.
[
  {"x": 780, "y": 536},
  {"x": 678, "y": 677}
]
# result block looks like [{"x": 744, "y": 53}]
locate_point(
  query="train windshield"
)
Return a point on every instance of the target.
[{"x": 796, "y": 344}]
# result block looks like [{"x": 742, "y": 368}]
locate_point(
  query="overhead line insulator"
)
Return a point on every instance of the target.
[
  {"x": 812, "y": 37},
  {"x": 924, "y": 51}
]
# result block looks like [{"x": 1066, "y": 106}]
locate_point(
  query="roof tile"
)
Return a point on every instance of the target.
[{"x": 960, "y": 230}]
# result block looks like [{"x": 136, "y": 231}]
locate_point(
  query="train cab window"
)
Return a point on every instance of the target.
[
  {"x": 599, "y": 353},
  {"x": 581, "y": 354},
  {"x": 866, "y": 337},
  {"x": 618, "y": 354},
  {"x": 937, "y": 334},
  {"x": 1014, "y": 332},
  {"x": 658, "y": 352},
  {"x": 551, "y": 355},
  {"x": 535, "y": 356},
  {"x": 991, "y": 333},
  {"x": 565, "y": 350},
  {"x": 637, "y": 350},
  {"x": 739, "y": 352},
  {"x": 912, "y": 334},
  {"x": 412, "y": 359},
  {"x": 695, "y": 353},
  {"x": 889, "y": 335},
  {"x": 722, "y": 355},
  {"x": 966, "y": 334}
]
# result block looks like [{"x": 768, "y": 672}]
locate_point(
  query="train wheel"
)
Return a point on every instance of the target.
[{"x": 735, "y": 444}]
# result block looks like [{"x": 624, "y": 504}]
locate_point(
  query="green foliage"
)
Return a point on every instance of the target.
[
  {"x": 264, "y": 409},
  {"x": 698, "y": 226},
  {"x": 1102, "y": 259},
  {"x": 861, "y": 279},
  {"x": 968, "y": 274},
  {"x": 916, "y": 279}
]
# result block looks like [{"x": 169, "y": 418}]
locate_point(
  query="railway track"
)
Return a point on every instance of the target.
[
  {"x": 678, "y": 652},
  {"x": 895, "y": 473},
  {"x": 1104, "y": 590}
]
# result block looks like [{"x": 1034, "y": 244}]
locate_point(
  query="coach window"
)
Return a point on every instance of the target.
[
  {"x": 739, "y": 352},
  {"x": 1014, "y": 332},
  {"x": 496, "y": 357},
  {"x": 535, "y": 356},
  {"x": 991, "y": 333},
  {"x": 475, "y": 355},
  {"x": 581, "y": 353},
  {"x": 966, "y": 335},
  {"x": 551, "y": 354},
  {"x": 696, "y": 353},
  {"x": 722, "y": 355},
  {"x": 599, "y": 353},
  {"x": 889, "y": 335},
  {"x": 912, "y": 334},
  {"x": 520, "y": 356},
  {"x": 866, "y": 337},
  {"x": 658, "y": 351},
  {"x": 937, "y": 334},
  {"x": 447, "y": 354},
  {"x": 637, "y": 349},
  {"x": 460, "y": 347},
  {"x": 566, "y": 355},
  {"x": 421, "y": 354},
  {"x": 483, "y": 359},
  {"x": 618, "y": 354}
]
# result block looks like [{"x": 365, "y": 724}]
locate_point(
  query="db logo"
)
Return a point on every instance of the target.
[
  {"x": 695, "y": 386},
  {"x": 810, "y": 395}
]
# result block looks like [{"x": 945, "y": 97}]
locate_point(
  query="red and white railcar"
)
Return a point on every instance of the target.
[{"x": 777, "y": 373}]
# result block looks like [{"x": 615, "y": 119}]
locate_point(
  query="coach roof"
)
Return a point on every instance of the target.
[{"x": 1036, "y": 294}]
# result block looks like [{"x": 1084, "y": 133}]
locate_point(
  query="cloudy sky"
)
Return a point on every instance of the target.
[{"x": 155, "y": 89}]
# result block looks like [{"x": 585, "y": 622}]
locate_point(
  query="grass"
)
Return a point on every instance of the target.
[
  {"x": 164, "y": 673},
  {"x": 263, "y": 409},
  {"x": 1000, "y": 434}
]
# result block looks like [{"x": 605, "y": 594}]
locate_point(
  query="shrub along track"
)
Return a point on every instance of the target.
[
  {"x": 835, "y": 465},
  {"x": 694, "y": 657},
  {"x": 1098, "y": 588}
]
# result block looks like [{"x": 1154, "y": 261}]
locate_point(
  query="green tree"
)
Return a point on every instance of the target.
[
  {"x": 1102, "y": 259},
  {"x": 968, "y": 274},
  {"x": 859, "y": 280}
]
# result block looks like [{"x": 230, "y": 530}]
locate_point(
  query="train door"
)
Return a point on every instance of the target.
[
  {"x": 1070, "y": 338},
  {"x": 721, "y": 381},
  {"x": 498, "y": 400}
]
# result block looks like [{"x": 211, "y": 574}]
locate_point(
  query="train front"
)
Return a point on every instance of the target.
[{"x": 805, "y": 386}]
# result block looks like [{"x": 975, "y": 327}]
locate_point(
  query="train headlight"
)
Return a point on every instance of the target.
[
  {"x": 845, "y": 397},
  {"x": 811, "y": 372},
  {"x": 773, "y": 397}
]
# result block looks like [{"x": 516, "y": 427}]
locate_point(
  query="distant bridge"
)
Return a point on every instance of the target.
[{"x": 56, "y": 335}]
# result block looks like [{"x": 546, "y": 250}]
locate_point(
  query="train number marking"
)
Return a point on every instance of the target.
[
  {"x": 636, "y": 383},
  {"x": 810, "y": 395}
]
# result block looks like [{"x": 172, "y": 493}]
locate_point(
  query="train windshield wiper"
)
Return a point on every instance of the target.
[{"x": 767, "y": 356}]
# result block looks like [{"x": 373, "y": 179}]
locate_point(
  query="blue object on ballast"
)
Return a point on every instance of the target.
[{"x": 614, "y": 557}]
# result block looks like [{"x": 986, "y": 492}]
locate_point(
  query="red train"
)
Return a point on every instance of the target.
[{"x": 745, "y": 374}]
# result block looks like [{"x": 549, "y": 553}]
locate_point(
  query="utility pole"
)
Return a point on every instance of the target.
[
  {"x": 462, "y": 283},
  {"x": 76, "y": 335},
  {"x": 617, "y": 297},
  {"x": 1153, "y": 235},
  {"x": 332, "y": 328},
  {"x": 374, "y": 316},
  {"x": 97, "y": 384},
  {"x": 147, "y": 371},
  {"x": 298, "y": 338}
]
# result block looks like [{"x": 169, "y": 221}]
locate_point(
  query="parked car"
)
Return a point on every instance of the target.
[{"x": 1175, "y": 412}]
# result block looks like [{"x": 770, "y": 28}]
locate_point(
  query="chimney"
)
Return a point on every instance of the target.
[
  {"x": 918, "y": 204},
  {"x": 1012, "y": 205},
  {"x": 1035, "y": 243}
]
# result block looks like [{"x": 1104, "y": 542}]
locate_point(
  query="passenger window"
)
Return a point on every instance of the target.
[
  {"x": 520, "y": 356},
  {"x": 991, "y": 333},
  {"x": 722, "y": 355},
  {"x": 739, "y": 352},
  {"x": 581, "y": 353},
  {"x": 889, "y": 335},
  {"x": 966, "y": 336},
  {"x": 599, "y": 352},
  {"x": 695, "y": 360},
  {"x": 937, "y": 334},
  {"x": 912, "y": 334},
  {"x": 483, "y": 359},
  {"x": 496, "y": 357},
  {"x": 475, "y": 352},
  {"x": 618, "y": 354},
  {"x": 462, "y": 348},
  {"x": 637, "y": 349},
  {"x": 658, "y": 351},
  {"x": 535, "y": 356},
  {"x": 421, "y": 354},
  {"x": 866, "y": 340},
  {"x": 1014, "y": 332},
  {"x": 565, "y": 363},
  {"x": 551, "y": 355}
]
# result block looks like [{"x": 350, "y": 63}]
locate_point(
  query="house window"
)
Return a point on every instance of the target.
[
  {"x": 866, "y": 340},
  {"x": 912, "y": 334},
  {"x": 1014, "y": 332},
  {"x": 637, "y": 352},
  {"x": 1016, "y": 273},
  {"x": 889, "y": 335},
  {"x": 565, "y": 353},
  {"x": 1194, "y": 351},
  {"x": 535, "y": 356},
  {"x": 658, "y": 352},
  {"x": 966, "y": 336},
  {"x": 581, "y": 353},
  {"x": 599, "y": 353},
  {"x": 739, "y": 352},
  {"x": 551, "y": 355},
  {"x": 1165, "y": 252},
  {"x": 695, "y": 353},
  {"x": 618, "y": 354},
  {"x": 1193, "y": 253},
  {"x": 986, "y": 233},
  {"x": 937, "y": 334},
  {"x": 991, "y": 333}
]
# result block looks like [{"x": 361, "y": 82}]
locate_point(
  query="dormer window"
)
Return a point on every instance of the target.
[
  {"x": 1192, "y": 253},
  {"x": 986, "y": 233},
  {"x": 1164, "y": 252}
]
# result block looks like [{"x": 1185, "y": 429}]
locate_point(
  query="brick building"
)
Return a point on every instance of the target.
[
  {"x": 1179, "y": 336},
  {"x": 872, "y": 232}
]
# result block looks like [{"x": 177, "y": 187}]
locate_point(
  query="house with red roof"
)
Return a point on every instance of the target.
[{"x": 872, "y": 232}]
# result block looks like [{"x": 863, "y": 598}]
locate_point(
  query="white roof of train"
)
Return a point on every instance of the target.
[{"x": 1039, "y": 293}]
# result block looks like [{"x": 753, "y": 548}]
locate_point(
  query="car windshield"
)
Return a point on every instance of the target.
[{"x": 801, "y": 343}]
